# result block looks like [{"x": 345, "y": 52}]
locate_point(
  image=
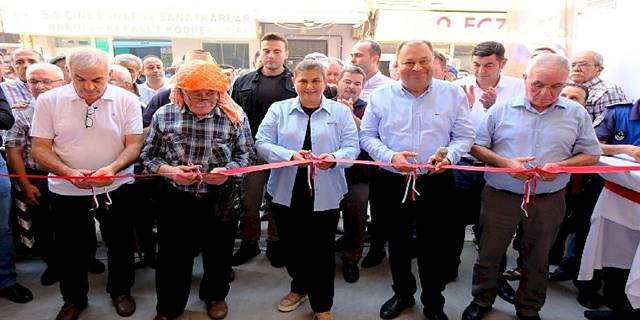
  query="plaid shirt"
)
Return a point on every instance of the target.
[
  {"x": 603, "y": 94},
  {"x": 16, "y": 91},
  {"x": 19, "y": 135},
  {"x": 177, "y": 137}
]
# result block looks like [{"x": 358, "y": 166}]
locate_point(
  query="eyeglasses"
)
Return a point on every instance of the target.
[
  {"x": 45, "y": 82},
  {"x": 581, "y": 65},
  {"x": 201, "y": 94},
  {"x": 91, "y": 114}
]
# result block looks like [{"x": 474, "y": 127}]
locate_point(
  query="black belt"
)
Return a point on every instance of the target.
[
  {"x": 537, "y": 195},
  {"x": 471, "y": 162}
]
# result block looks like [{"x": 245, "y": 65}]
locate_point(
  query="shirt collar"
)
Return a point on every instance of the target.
[
  {"x": 634, "y": 114},
  {"x": 592, "y": 82},
  {"x": 400, "y": 87},
  {"x": 109, "y": 93},
  {"x": 213, "y": 113},
  {"x": 522, "y": 101},
  {"x": 323, "y": 105}
]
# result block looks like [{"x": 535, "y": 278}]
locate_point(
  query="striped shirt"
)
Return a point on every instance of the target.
[
  {"x": 177, "y": 137},
  {"x": 16, "y": 91},
  {"x": 603, "y": 94},
  {"x": 19, "y": 135}
]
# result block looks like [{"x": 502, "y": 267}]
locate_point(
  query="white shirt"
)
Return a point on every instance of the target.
[
  {"x": 145, "y": 87},
  {"x": 506, "y": 88},
  {"x": 60, "y": 114},
  {"x": 378, "y": 80}
]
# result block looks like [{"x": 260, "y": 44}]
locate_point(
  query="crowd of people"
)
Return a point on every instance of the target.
[{"x": 84, "y": 118}]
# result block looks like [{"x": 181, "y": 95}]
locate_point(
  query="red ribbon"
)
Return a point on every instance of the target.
[
  {"x": 623, "y": 191},
  {"x": 276, "y": 165}
]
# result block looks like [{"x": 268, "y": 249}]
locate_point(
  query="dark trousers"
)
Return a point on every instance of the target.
[
  {"x": 309, "y": 237},
  {"x": 435, "y": 227},
  {"x": 186, "y": 224},
  {"x": 74, "y": 225},
  {"x": 253, "y": 186},
  {"x": 468, "y": 190},
  {"x": 42, "y": 221},
  {"x": 146, "y": 191},
  {"x": 378, "y": 237},
  {"x": 499, "y": 218},
  {"x": 354, "y": 217}
]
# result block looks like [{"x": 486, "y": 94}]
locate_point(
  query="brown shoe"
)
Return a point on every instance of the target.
[
  {"x": 323, "y": 316},
  {"x": 125, "y": 305},
  {"x": 217, "y": 309},
  {"x": 159, "y": 317},
  {"x": 70, "y": 311}
]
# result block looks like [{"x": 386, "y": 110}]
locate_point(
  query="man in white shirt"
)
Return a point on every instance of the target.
[
  {"x": 486, "y": 86},
  {"x": 153, "y": 70},
  {"x": 366, "y": 55},
  {"x": 81, "y": 131}
]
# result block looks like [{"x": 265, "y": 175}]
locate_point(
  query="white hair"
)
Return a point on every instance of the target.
[
  {"x": 85, "y": 58},
  {"x": 548, "y": 60},
  {"x": 52, "y": 69},
  {"x": 122, "y": 72},
  {"x": 127, "y": 58}
]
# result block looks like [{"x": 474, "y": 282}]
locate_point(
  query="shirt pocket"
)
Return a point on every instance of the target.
[{"x": 176, "y": 148}]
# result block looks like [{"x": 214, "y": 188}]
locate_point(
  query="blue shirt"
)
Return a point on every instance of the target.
[
  {"x": 515, "y": 129},
  {"x": 396, "y": 121},
  {"x": 281, "y": 134},
  {"x": 619, "y": 124}
]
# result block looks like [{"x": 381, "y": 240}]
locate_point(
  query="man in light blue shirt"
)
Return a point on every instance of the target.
[
  {"x": 406, "y": 122},
  {"x": 539, "y": 129}
]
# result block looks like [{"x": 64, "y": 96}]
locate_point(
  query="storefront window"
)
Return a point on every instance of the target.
[
  {"x": 142, "y": 48},
  {"x": 235, "y": 54}
]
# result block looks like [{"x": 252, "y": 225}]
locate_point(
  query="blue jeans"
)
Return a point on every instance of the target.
[{"x": 7, "y": 263}]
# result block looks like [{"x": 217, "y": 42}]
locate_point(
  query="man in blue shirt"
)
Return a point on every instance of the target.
[
  {"x": 406, "y": 122},
  {"x": 538, "y": 129}
]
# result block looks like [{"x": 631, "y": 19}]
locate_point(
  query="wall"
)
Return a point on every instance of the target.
[{"x": 339, "y": 37}]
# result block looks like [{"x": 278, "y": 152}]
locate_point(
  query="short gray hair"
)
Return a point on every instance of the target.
[
  {"x": 51, "y": 68},
  {"x": 127, "y": 58},
  {"x": 598, "y": 60},
  {"x": 123, "y": 73},
  {"x": 352, "y": 69},
  {"x": 84, "y": 58},
  {"x": 550, "y": 60}
]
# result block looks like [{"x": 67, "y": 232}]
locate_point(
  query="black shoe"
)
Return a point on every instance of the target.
[
  {"x": 475, "y": 312},
  {"x": 96, "y": 266},
  {"x": 16, "y": 293},
  {"x": 521, "y": 317},
  {"x": 373, "y": 258},
  {"x": 505, "y": 291},
  {"x": 611, "y": 315},
  {"x": 563, "y": 273},
  {"x": 394, "y": 306},
  {"x": 49, "y": 277},
  {"x": 434, "y": 314},
  {"x": 247, "y": 251},
  {"x": 275, "y": 254},
  {"x": 350, "y": 272},
  {"x": 589, "y": 300}
]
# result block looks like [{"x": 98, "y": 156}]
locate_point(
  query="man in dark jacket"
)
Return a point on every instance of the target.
[{"x": 255, "y": 92}]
